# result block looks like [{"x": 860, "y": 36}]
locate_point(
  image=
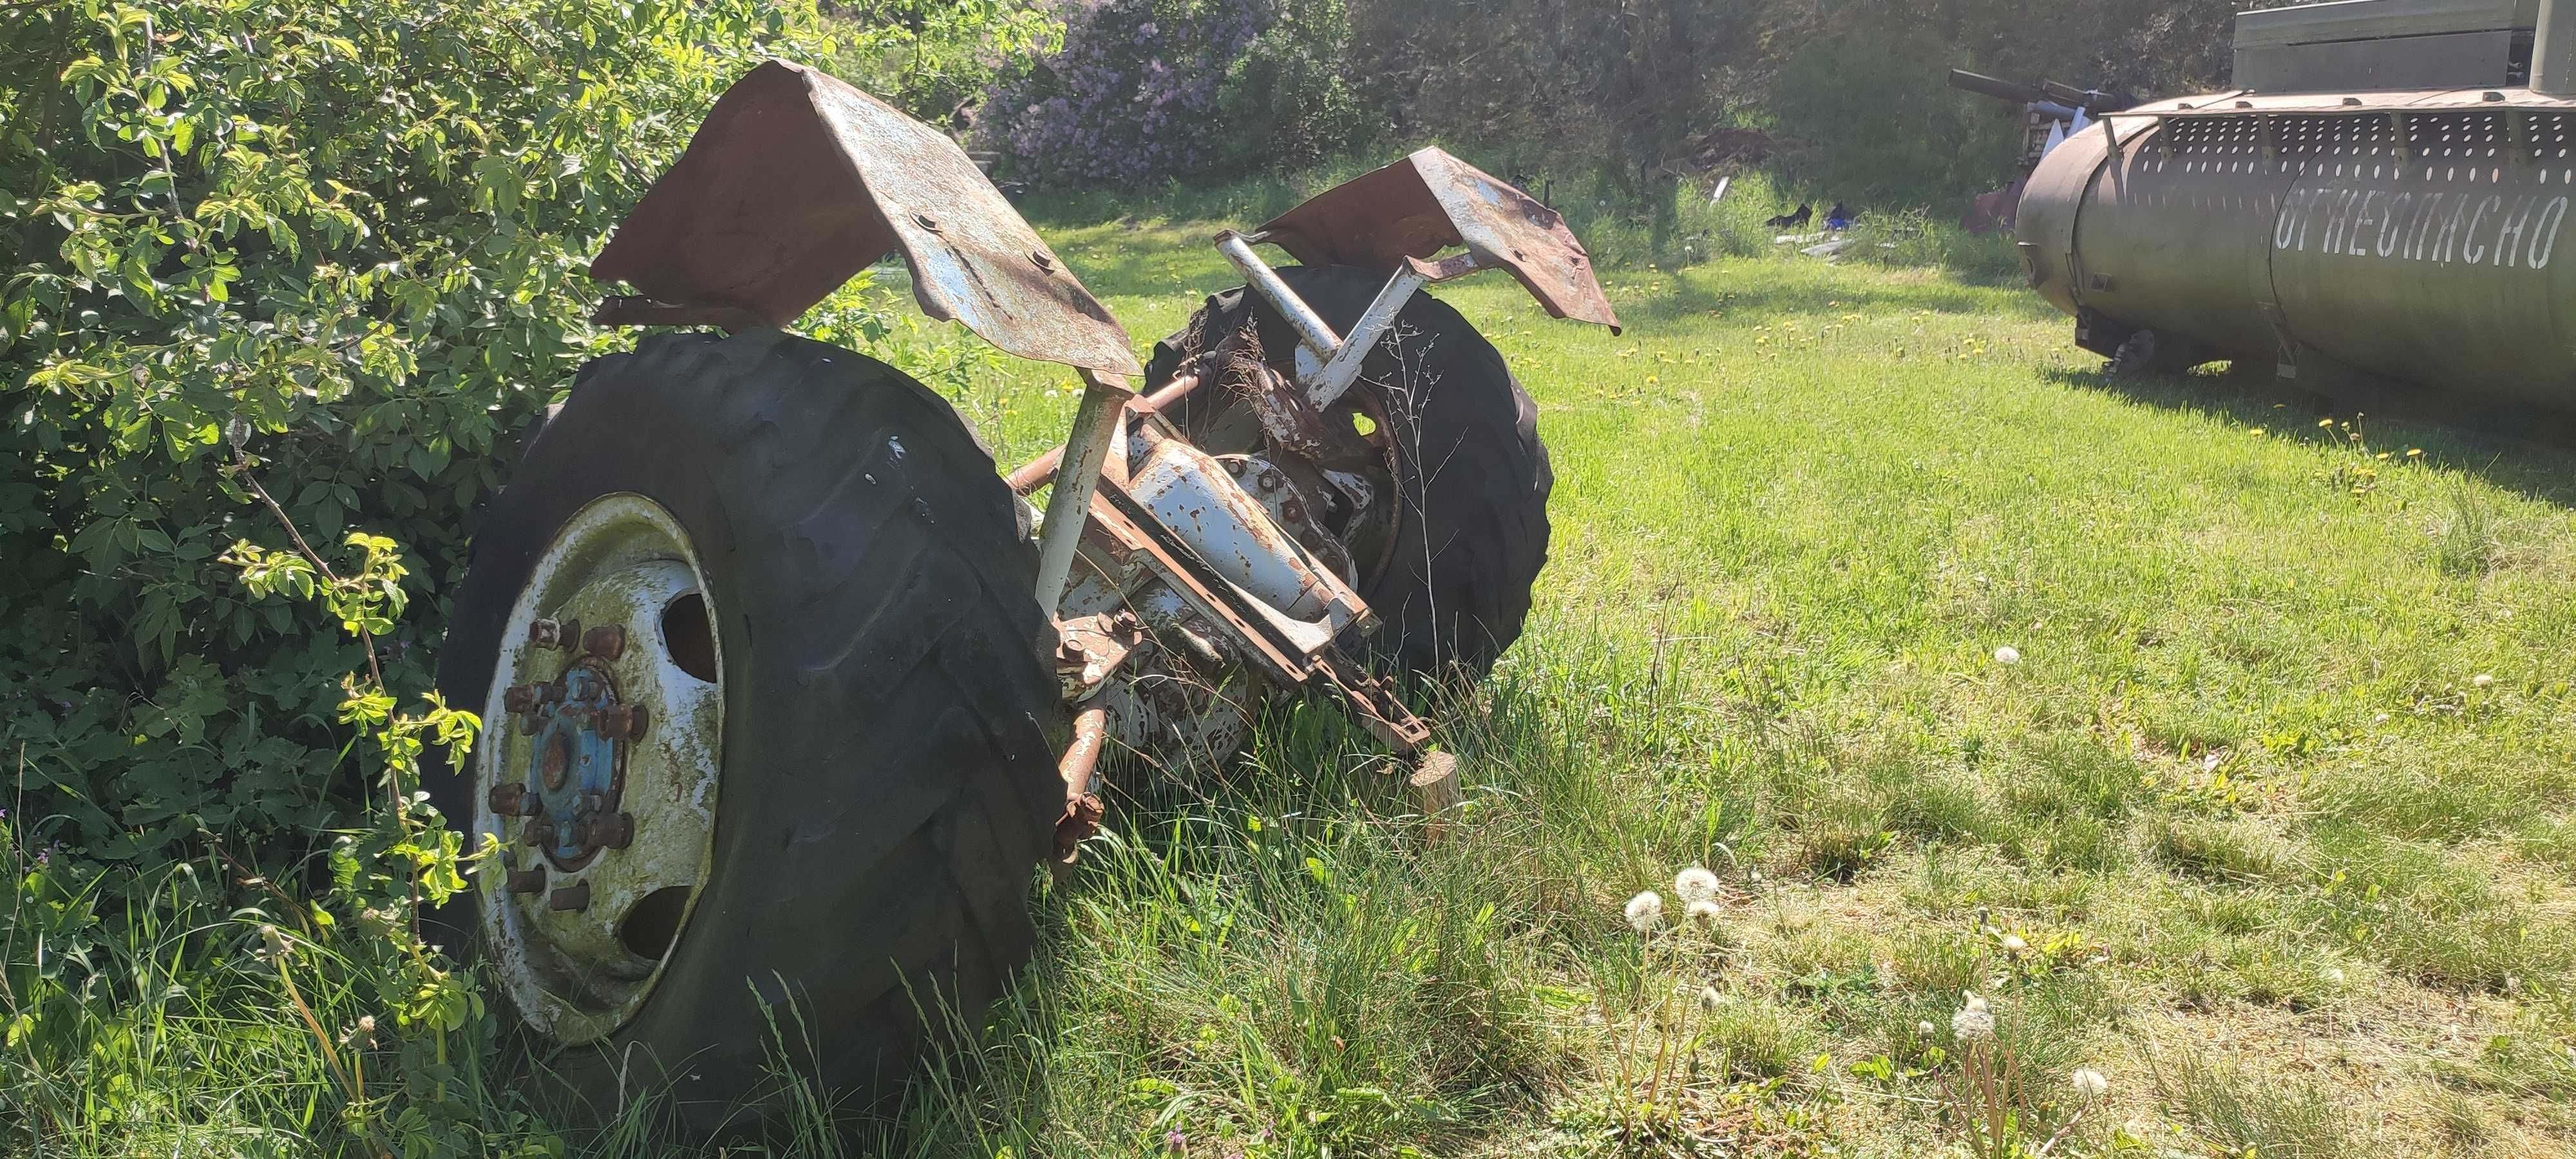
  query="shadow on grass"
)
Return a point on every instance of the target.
[{"x": 2455, "y": 432}]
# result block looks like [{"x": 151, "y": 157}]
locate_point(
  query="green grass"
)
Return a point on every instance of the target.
[{"x": 2244, "y": 829}]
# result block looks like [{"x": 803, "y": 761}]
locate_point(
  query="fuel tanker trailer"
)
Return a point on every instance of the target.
[{"x": 2382, "y": 202}]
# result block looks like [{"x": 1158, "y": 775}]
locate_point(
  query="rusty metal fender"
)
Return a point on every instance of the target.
[
  {"x": 796, "y": 181},
  {"x": 1430, "y": 201}
]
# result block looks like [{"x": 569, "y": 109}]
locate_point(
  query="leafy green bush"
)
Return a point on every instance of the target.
[
  {"x": 935, "y": 58},
  {"x": 1284, "y": 102},
  {"x": 338, "y": 247},
  {"x": 286, "y": 280},
  {"x": 1886, "y": 131}
]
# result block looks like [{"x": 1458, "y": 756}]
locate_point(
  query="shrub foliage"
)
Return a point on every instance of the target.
[{"x": 338, "y": 246}]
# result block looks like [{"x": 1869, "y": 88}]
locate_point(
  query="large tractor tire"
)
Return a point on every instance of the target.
[
  {"x": 1449, "y": 572},
  {"x": 797, "y": 795}
]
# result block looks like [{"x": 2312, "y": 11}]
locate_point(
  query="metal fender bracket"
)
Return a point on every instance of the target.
[
  {"x": 1430, "y": 201},
  {"x": 796, "y": 181},
  {"x": 1295, "y": 653}
]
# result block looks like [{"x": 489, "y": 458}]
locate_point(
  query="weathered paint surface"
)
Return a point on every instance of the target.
[
  {"x": 574, "y": 973},
  {"x": 2414, "y": 235},
  {"x": 796, "y": 181},
  {"x": 1429, "y": 201}
]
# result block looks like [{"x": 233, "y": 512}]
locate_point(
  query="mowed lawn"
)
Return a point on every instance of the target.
[{"x": 2267, "y": 823}]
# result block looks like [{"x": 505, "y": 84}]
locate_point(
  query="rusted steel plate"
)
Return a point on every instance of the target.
[
  {"x": 1429, "y": 201},
  {"x": 796, "y": 181}
]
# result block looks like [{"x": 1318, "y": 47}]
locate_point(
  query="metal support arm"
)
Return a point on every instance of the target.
[{"x": 1087, "y": 445}]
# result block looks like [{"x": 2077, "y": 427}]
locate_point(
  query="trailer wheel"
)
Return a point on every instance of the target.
[
  {"x": 1449, "y": 557},
  {"x": 2147, "y": 351},
  {"x": 799, "y": 747}
]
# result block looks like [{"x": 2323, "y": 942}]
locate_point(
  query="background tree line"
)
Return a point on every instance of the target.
[{"x": 1847, "y": 95}]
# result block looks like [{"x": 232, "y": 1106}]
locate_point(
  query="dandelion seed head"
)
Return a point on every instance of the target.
[
  {"x": 1709, "y": 998},
  {"x": 1925, "y": 1028},
  {"x": 1694, "y": 884},
  {"x": 2015, "y": 944},
  {"x": 2089, "y": 1083},
  {"x": 1973, "y": 1022},
  {"x": 1704, "y": 913},
  {"x": 1645, "y": 911},
  {"x": 2007, "y": 655},
  {"x": 2482, "y": 680}
]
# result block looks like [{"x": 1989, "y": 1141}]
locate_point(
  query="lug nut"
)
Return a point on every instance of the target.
[
  {"x": 530, "y": 697},
  {"x": 541, "y": 833},
  {"x": 607, "y": 641},
  {"x": 609, "y": 831},
  {"x": 554, "y": 633},
  {"x": 530, "y": 880},
  {"x": 574, "y": 897},
  {"x": 621, "y": 721},
  {"x": 513, "y": 800}
]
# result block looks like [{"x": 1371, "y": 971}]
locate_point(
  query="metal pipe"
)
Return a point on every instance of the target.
[
  {"x": 1344, "y": 365},
  {"x": 1095, "y": 425},
  {"x": 1080, "y": 768},
  {"x": 1312, "y": 331},
  {"x": 1036, "y": 472},
  {"x": 1081, "y": 763},
  {"x": 2553, "y": 49}
]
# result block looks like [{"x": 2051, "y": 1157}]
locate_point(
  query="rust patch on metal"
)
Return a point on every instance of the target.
[
  {"x": 1090, "y": 649},
  {"x": 1295, "y": 426},
  {"x": 1430, "y": 201},
  {"x": 796, "y": 181},
  {"x": 1080, "y": 768}
]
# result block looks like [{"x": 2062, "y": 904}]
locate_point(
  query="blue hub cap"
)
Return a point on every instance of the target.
[{"x": 576, "y": 768}]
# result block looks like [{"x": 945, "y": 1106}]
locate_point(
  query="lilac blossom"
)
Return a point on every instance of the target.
[{"x": 1130, "y": 97}]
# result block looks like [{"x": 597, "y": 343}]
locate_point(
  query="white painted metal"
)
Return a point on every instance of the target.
[
  {"x": 1191, "y": 494},
  {"x": 621, "y": 560},
  {"x": 1344, "y": 366},
  {"x": 1312, "y": 331},
  {"x": 1095, "y": 427}
]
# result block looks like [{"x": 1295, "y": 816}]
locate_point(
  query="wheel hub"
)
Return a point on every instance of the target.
[{"x": 599, "y": 768}]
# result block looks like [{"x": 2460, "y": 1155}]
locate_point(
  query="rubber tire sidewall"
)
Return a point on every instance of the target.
[
  {"x": 863, "y": 873},
  {"x": 1473, "y": 475}
]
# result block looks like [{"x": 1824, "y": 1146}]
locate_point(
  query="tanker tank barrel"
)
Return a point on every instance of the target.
[{"x": 1996, "y": 87}]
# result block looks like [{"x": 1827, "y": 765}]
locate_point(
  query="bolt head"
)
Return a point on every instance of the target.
[
  {"x": 607, "y": 641},
  {"x": 553, "y": 633},
  {"x": 621, "y": 721},
  {"x": 574, "y": 897},
  {"x": 530, "y": 697},
  {"x": 610, "y": 831},
  {"x": 513, "y": 800},
  {"x": 530, "y": 880},
  {"x": 541, "y": 833}
]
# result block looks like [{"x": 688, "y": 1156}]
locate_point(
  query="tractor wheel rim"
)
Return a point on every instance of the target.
[{"x": 598, "y": 768}]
